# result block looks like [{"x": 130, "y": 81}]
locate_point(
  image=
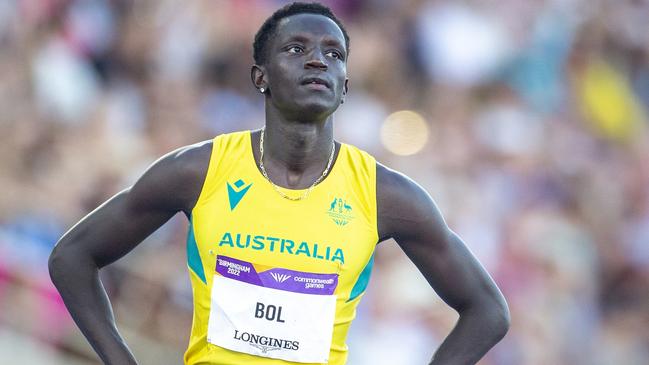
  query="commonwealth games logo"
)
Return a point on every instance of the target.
[
  {"x": 340, "y": 212},
  {"x": 280, "y": 278}
]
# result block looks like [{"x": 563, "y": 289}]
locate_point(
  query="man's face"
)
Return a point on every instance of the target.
[{"x": 306, "y": 67}]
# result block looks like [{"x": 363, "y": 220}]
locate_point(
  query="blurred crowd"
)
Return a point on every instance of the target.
[{"x": 537, "y": 154}]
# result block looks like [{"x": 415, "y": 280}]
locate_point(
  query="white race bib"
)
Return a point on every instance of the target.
[{"x": 276, "y": 313}]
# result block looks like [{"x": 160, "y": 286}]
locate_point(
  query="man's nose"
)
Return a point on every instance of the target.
[{"x": 316, "y": 60}]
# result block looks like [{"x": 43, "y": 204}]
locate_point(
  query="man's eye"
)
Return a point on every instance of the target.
[
  {"x": 335, "y": 54},
  {"x": 295, "y": 49}
]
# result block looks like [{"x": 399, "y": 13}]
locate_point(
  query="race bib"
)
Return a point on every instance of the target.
[{"x": 272, "y": 312}]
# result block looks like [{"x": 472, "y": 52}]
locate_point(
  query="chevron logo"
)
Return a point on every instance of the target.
[
  {"x": 236, "y": 193},
  {"x": 280, "y": 278}
]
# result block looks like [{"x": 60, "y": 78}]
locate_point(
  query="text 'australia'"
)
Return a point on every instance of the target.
[{"x": 282, "y": 245}]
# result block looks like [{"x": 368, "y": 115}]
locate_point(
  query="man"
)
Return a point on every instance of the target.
[{"x": 283, "y": 224}]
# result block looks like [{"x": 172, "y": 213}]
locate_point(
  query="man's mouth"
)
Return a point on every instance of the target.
[{"x": 316, "y": 83}]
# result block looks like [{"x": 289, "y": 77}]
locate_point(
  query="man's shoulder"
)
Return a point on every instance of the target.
[
  {"x": 401, "y": 202},
  {"x": 395, "y": 184},
  {"x": 191, "y": 159},
  {"x": 174, "y": 180},
  {"x": 188, "y": 165}
]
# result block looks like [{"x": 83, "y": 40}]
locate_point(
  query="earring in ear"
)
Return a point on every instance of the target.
[{"x": 262, "y": 90}]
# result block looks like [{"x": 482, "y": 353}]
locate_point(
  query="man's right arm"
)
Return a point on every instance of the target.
[{"x": 171, "y": 184}]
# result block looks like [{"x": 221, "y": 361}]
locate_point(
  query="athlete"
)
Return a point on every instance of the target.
[{"x": 283, "y": 224}]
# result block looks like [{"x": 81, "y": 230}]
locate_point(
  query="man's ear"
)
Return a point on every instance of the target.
[
  {"x": 345, "y": 90},
  {"x": 258, "y": 77}
]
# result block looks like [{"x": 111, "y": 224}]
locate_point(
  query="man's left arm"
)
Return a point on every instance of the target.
[{"x": 408, "y": 214}]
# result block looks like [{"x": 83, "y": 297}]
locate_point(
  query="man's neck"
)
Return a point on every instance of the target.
[{"x": 296, "y": 152}]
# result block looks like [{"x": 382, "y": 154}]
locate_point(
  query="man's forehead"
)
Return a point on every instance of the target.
[{"x": 314, "y": 24}]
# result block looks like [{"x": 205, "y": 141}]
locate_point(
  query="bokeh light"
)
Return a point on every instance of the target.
[{"x": 404, "y": 133}]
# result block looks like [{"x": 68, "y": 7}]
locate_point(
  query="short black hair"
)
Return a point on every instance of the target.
[{"x": 267, "y": 30}]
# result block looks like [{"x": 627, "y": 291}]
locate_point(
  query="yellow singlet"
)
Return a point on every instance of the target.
[{"x": 273, "y": 280}]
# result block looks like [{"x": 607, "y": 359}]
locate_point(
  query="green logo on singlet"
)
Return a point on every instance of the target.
[{"x": 340, "y": 211}]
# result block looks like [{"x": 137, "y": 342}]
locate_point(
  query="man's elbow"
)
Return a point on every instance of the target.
[
  {"x": 503, "y": 321},
  {"x": 56, "y": 263},
  {"x": 63, "y": 261},
  {"x": 498, "y": 318},
  {"x": 491, "y": 315}
]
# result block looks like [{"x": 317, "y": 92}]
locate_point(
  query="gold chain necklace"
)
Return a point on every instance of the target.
[{"x": 277, "y": 188}]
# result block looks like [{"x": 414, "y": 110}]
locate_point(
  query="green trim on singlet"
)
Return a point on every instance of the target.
[
  {"x": 194, "y": 261},
  {"x": 363, "y": 279}
]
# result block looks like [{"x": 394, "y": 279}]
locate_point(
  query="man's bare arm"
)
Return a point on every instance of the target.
[
  {"x": 408, "y": 214},
  {"x": 112, "y": 230}
]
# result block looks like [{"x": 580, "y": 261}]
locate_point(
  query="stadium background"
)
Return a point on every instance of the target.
[{"x": 525, "y": 119}]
